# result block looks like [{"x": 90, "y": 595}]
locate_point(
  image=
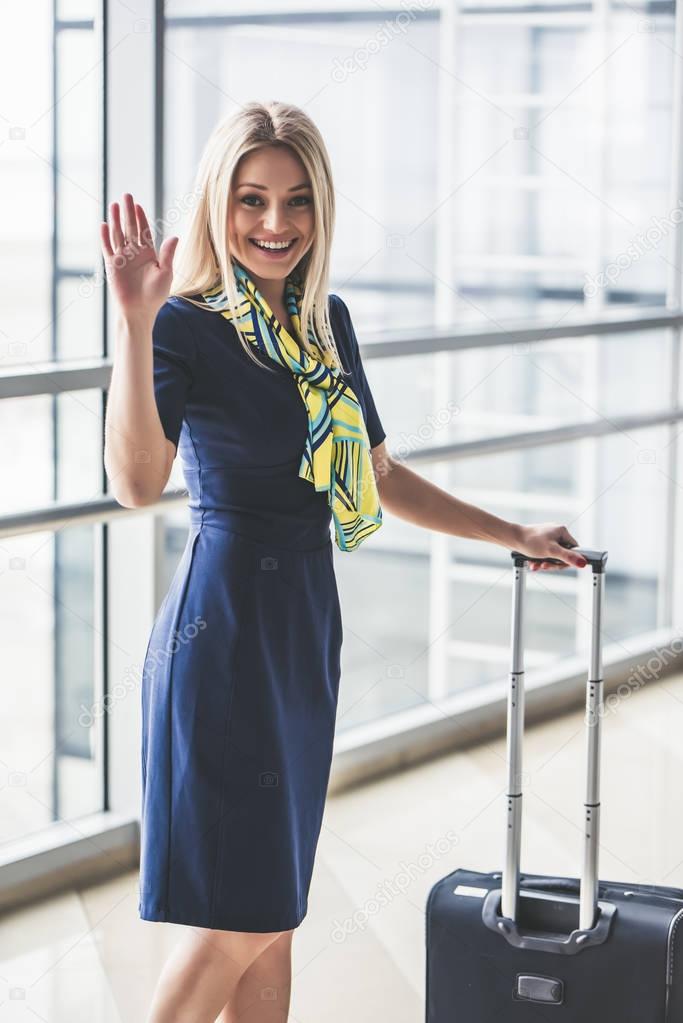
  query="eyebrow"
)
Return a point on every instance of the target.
[{"x": 264, "y": 188}]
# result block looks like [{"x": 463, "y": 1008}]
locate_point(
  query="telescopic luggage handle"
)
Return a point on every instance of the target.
[{"x": 588, "y": 898}]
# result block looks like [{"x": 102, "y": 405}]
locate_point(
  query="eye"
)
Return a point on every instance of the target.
[{"x": 245, "y": 199}]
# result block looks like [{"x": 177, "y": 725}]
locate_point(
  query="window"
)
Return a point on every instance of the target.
[{"x": 504, "y": 176}]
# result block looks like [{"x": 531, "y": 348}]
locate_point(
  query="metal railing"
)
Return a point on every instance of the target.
[{"x": 55, "y": 378}]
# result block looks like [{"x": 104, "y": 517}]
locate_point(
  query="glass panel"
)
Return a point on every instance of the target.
[
  {"x": 78, "y": 190},
  {"x": 79, "y": 317},
  {"x": 27, "y": 464},
  {"x": 199, "y": 9},
  {"x": 564, "y": 151},
  {"x": 385, "y": 607},
  {"x": 532, "y": 218},
  {"x": 30, "y": 193},
  {"x": 394, "y": 652},
  {"x": 49, "y": 634},
  {"x": 26, "y": 194},
  {"x": 80, "y": 467},
  {"x": 497, "y": 390},
  {"x": 50, "y": 718},
  {"x": 630, "y": 502},
  {"x": 76, "y": 9},
  {"x": 383, "y": 187}
]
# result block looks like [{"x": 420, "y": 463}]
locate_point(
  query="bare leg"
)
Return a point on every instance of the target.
[
  {"x": 202, "y": 973},
  {"x": 264, "y": 989}
]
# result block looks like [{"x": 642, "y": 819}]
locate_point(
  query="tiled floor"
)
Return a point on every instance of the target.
[{"x": 359, "y": 953}]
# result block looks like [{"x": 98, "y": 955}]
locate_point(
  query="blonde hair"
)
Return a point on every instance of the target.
[{"x": 203, "y": 261}]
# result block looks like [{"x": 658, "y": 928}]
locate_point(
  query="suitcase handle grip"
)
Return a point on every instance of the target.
[
  {"x": 551, "y": 884},
  {"x": 562, "y": 885},
  {"x": 596, "y": 559},
  {"x": 572, "y": 886}
]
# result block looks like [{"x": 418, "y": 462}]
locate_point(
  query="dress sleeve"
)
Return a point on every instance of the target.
[
  {"x": 174, "y": 354},
  {"x": 359, "y": 382}
]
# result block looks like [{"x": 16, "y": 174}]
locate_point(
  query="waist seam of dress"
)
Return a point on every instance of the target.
[
  {"x": 199, "y": 524},
  {"x": 264, "y": 470}
]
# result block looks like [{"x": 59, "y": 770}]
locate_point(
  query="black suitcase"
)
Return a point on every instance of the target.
[{"x": 508, "y": 947}]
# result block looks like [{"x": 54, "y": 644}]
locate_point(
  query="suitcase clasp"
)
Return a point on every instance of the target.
[{"x": 534, "y": 988}]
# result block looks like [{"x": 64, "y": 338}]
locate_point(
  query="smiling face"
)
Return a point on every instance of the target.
[{"x": 270, "y": 219}]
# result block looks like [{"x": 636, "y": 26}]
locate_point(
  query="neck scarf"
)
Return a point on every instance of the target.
[{"x": 336, "y": 455}]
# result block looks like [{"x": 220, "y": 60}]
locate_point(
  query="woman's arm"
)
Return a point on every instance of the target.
[
  {"x": 138, "y": 456},
  {"x": 412, "y": 497}
]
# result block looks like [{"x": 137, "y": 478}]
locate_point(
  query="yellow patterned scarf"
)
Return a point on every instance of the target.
[{"x": 336, "y": 455}]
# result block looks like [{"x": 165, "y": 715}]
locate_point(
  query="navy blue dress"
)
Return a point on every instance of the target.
[{"x": 241, "y": 673}]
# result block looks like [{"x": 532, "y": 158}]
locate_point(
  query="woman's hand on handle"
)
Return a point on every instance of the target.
[
  {"x": 139, "y": 278},
  {"x": 546, "y": 540}
]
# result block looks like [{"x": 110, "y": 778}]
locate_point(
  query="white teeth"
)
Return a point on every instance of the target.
[{"x": 272, "y": 245}]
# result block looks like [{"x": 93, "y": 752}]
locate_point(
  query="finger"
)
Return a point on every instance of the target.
[
  {"x": 168, "y": 247},
  {"x": 116, "y": 232},
  {"x": 129, "y": 220},
  {"x": 144, "y": 230},
  {"x": 105, "y": 240},
  {"x": 577, "y": 560},
  {"x": 568, "y": 538}
]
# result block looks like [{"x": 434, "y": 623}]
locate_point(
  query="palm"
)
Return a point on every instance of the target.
[{"x": 139, "y": 277}]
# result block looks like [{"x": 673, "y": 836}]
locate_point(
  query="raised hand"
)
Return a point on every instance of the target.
[{"x": 139, "y": 278}]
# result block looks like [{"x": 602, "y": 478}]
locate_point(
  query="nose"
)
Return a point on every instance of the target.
[{"x": 274, "y": 219}]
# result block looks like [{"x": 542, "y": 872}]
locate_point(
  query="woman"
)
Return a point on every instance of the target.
[{"x": 252, "y": 370}]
